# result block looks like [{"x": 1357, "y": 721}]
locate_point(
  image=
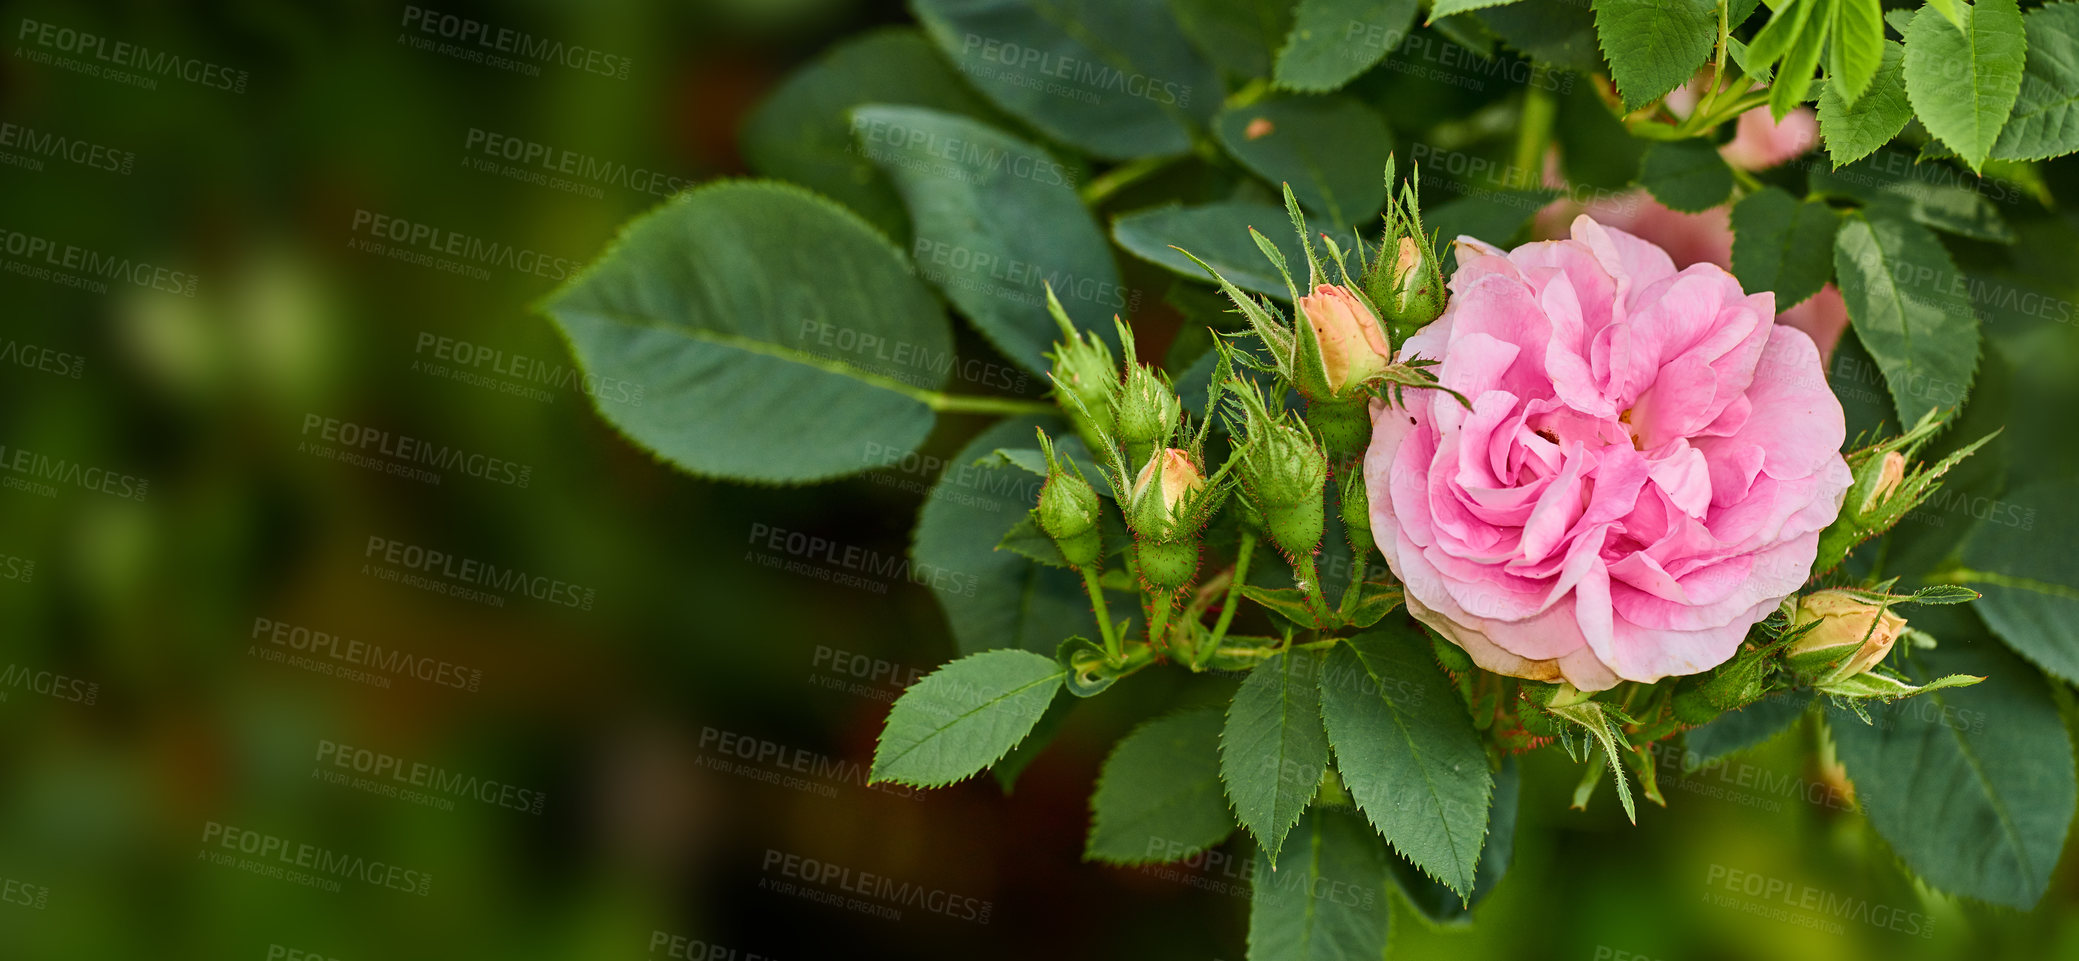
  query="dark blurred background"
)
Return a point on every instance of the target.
[{"x": 246, "y": 714}]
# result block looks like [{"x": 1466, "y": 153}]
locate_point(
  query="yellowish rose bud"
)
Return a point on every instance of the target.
[
  {"x": 1172, "y": 475},
  {"x": 1851, "y": 637},
  {"x": 1353, "y": 347},
  {"x": 1889, "y": 474}
]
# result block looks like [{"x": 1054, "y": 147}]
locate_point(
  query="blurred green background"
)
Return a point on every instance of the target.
[{"x": 696, "y": 730}]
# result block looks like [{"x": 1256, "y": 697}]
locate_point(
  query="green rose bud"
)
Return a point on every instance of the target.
[
  {"x": 1357, "y": 516},
  {"x": 1084, "y": 367},
  {"x": 1851, "y": 635},
  {"x": 1069, "y": 511},
  {"x": 1165, "y": 494},
  {"x": 1344, "y": 344},
  {"x": 1408, "y": 286},
  {"x": 1283, "y": 470},
  {"x": 1146, "y": 411}
]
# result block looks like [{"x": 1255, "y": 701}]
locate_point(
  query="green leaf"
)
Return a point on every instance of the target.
[
  {"x": 2045, "y": 122},
  {"x": 1908, "y": 310},
  {"x": 1973, "y": 787},
  {"x": 1655, "y": 46},
  {"x": 1736, "y": 731},
  {"x": 1332, "y": 41},
  {"x": 1241, "y": 36},
  {"x": 1217, "y": 234},
  {"x": 2022, "y": 547},
  {"x": 1783, "y": 245},
  {"x": 1557, "y": 32},
  {"x": 1290, "y": 603},
  {"x": 1878, "y": 116},
  {"x": 1158, "y": 797},
  {"x": 1495, "y": 216},
  {"x": 1328, "y": 148},
  {"x": 1963, "y": 83},
  {"x": 750, "y": 374},
  {"x": 1445, "y": 8},
  {"x": 1928, "y": 192},
  {"x": 803, "y": 132},
  {"x": 1408, "y": 752},
  {"x": 1328, "y": 901},
  {"x": 1273, "y": 750},
  {"x": 1013, "y": 764},
  {"x": 1951, "y": 10},
  {"x": 997, "y": 222},
  {"x": 964, "y": 716},
  {"x": 1114, "y": 78},
  {"x": 1686, "y": 175},
  {"x": 1027, "y": 540},
  {"x": 994, "y": 598},
  {"x": 1440, "y": 904},
  {"x": 1855, "y": 49},
  {"x": 1794, "y": 74}
]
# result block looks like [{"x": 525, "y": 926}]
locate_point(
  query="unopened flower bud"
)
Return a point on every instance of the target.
[
  {"x": 1083, "y": 367},
  {"x": 1145, "y": 410},
  {"x": 1069, "y": 512},
  {"x": 1164, "y": 515},
  {"x": 1356, "y": 504},
  {"x": 1891, "y": 469},
  {"x": 1408, "y": 286},
  {"x": 1851, "y": 637},
  {"x": 1349, "y": 342}
]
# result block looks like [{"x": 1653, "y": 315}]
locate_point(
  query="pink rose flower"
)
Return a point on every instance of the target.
[{"x": 1643, "y": 474}]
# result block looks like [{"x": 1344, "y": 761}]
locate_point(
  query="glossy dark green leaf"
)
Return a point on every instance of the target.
[
  {"x": 2029, "y": 573},
  {"x": 1326, "y": 901},
  {"x": 1330, "y": 149},
  {"x": 1274, "y": 750},
  {"x": 1783, "y": 245},
  {"x": 1217, "y": 234},
  {"x": 2045, "y": 122},
  {"x": 1159, "y": 797},
  {"x": 1332, "y": 41},
  {"x": 1908, "y": 310}
]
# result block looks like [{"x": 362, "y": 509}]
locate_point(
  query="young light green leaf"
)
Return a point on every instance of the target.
[
  {"x": 1408, "y": 753},
  {"x": 1963, "y": 83},
  {"x": 700, "y": 302},
  {"x": 1655, "y": 46},
  {"x": 1855, "y": 49},
  {"x": 1878, "y": 116},
  {"x": 2022, "y": 559},
  {"x": 1782, "y": 244},
  {"x": 2045, "y": 122},
  {"x": 1064, "y": 66},
  {"x": 992, "y": 598},
  {"x": 803, "y": 131},
  {"x": 964, "y": 716},
  {"x": 1774, "y": 40},
  {"x": 1794, "y": 73},
  {"x": 1327, "y": 900},
  {"x": 1686, "y": 175},
  {"x": 996, "y": 201},
  {"x": 1326, "y": 148},
  {"x": 1218, "y": 233},
  {"x": 1333, "y": 41},
  {"x": 1158, "y": 797},
  {"x": 1972, "y": 786},
  {"x": 1951, "y": 10},
  {"x": 1908, "y": 310},
  {"x": 1273, "y": 750}
]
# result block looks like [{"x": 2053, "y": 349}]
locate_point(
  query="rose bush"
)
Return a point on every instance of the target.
[{"x": 1641, "y": 475}]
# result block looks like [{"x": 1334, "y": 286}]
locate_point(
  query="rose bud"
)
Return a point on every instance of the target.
[
  {"x": 1069, "y": 511},
  {"x": 1283, "y": 469},
  {"x": 1851, "y": 635},
  {"x": 1408, "y": 287},
  {"x": 1356, "y": 512},
  {"x": 1347, "y": 338},
  {"x": 1083, "y": 367},
  {"x": 1891, "y": 470},
  {"x": 1164, "y": 511},
  {"x": 1146, "y": 411}
]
